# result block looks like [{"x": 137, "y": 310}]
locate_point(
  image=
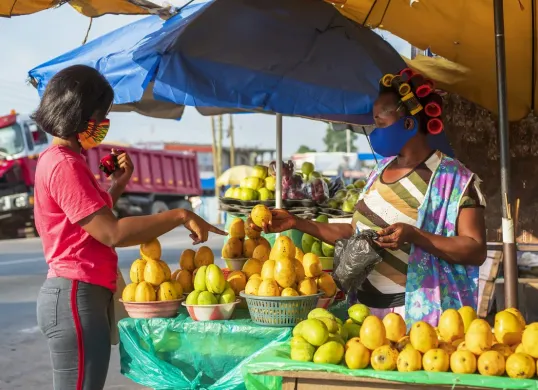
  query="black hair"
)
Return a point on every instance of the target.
[{"x": 73, "y": 96}]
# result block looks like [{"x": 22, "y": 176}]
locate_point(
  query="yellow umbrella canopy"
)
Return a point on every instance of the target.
[
  {"x": 462, "y": 32},
  {"x": 234, "y": 175},
  {"x": 90, "y": 8}
]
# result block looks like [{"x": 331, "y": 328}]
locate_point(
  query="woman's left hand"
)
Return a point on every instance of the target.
[
  {"x": 122, "y": 176},
  {"x": 394, "y": 236}
]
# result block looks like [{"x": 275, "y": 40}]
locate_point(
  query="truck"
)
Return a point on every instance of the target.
[{"x": 161, "y": 180}]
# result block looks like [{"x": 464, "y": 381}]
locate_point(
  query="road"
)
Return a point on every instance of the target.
[{"x": 24, "y": 360}]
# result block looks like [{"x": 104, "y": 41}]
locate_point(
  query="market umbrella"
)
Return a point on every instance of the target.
[
  {"x": 293, "y": 57},
  {"x": 90, "y": 8},
  {"x": 234, "y": 175},
  {"x": 462, "y": 33}
]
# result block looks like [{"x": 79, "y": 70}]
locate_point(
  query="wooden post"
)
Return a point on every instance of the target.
[
  {"x": 214, "y": 150},
  {"x": 232, "y": 141},
  {"x": 219, "y": 160}
]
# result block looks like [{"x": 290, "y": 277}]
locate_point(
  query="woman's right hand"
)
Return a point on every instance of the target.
[
  {"x": 200, "y": 228},
  {"x": 282, "y": 220}
]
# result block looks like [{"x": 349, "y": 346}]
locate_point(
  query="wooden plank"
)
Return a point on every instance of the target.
[
  {"x": 486, "y": 291},
  {"x": 321, "y": 380},
  {"x": 490, "y": 269}
]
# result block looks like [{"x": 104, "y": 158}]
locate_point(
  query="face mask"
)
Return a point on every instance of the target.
[
  {"x": 389, "y": 141},
  {"x": 94, "y": 135}
]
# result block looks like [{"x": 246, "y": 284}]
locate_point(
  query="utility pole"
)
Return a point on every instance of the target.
[
  {"x": 219, "y": 160},
  {"x": 215, "y": 157},
  {"x": 232, "y": 141}
]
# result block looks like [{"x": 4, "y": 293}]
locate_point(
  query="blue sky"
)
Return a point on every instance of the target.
[{"x": 27, "y": 41}]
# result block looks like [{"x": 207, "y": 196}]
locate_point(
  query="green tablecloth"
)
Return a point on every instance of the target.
[
  {"x": 277, "y": 357},
  {"x": 179, "y": 353}
]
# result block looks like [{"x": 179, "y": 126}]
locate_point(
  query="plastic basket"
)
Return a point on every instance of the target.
[{"x": 280, "y": 311}]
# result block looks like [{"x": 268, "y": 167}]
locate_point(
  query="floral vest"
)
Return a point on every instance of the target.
[{"x": 433, "y": 285}]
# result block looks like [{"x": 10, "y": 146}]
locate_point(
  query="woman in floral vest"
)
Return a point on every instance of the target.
[{"x": 426, "y": 207}]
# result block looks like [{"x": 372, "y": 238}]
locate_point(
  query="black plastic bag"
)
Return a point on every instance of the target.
[{"x": 354, "y": 259}]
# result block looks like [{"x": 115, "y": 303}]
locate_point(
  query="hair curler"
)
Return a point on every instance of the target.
[
  {"x": 421, "y": 86},
  {"x": 435, "y": 126},
  {"x": 434, "y": 107},
  {"x": 412, "y": 104},
  {"x": 406, "y": 74},
  {"x": 401, "y": 86},
  {"x": 387, "y": 80}
]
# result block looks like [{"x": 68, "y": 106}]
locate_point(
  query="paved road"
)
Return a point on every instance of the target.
[{"x": 24, "y": 357}]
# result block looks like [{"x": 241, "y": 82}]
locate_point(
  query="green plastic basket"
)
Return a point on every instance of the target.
[{"x": 280, "y": 311}]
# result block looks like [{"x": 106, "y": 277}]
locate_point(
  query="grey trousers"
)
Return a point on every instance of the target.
[{"x": 74, "y": 317}]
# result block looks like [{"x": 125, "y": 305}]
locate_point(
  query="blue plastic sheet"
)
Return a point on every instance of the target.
[{"x": 180, "y": 353}]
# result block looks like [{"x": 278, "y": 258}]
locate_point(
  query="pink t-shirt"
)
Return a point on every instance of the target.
[{"x": 65, "y": 193}]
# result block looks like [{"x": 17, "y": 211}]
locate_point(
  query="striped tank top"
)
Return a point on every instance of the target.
[{"x": 387, "y": 203}]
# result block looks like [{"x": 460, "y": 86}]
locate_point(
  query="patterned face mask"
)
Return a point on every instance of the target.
[{"x": 94, "y": 135}]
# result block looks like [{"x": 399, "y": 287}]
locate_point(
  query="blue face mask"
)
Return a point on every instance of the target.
[{"x": 390, "y": 140}]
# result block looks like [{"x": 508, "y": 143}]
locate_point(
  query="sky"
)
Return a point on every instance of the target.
[{"x": 28, "y": 41}]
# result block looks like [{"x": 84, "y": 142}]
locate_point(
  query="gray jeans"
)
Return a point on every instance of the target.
[{"x": 74, "y": 317}]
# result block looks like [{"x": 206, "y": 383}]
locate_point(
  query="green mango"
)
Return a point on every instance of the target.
[{"x": 331, "y": 352}]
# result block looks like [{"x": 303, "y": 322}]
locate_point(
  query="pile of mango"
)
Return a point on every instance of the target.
[
  {"x": 313, "y": 245},
  {"x": 210, "y": 287},
  {"x": 461, "y": 342},
  {"x": 151, "y": 279},
  {"x": 259, "y": 186},
  {"x": 245, "y": 243}
]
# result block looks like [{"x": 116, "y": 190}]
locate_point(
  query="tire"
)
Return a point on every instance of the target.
[
  {"x": 158, "y": 207},
  {"x": 181, "y": 204}
]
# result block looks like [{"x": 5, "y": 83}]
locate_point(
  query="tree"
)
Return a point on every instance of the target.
[
  {"x": 305, "y": 149},
  {"x": 336, "y": 141}
]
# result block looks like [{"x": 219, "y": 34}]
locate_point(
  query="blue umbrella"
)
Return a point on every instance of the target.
[{"x": 293, "y": 57}]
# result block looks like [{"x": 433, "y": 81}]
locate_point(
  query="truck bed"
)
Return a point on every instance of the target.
[{"x": 155, "y": 171}]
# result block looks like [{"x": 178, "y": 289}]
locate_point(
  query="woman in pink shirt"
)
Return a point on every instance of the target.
[{"x": 74, "y": 218}]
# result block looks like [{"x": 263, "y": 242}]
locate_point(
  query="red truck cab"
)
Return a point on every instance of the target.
[{"x": 161, "y": 180}]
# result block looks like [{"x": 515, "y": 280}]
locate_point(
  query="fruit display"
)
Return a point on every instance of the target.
[
  {"x": 461, "y": 343},
  {"x": 260, "y": 186},
  {"x": 313, "y": 245},
  {"x": 210, "y": 287},
  {"x": 151, "y": 279},
  {"x": 344, "y": 200}
]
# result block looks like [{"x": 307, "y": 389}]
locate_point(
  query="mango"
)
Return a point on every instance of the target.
[
  {"x": 185, "y": 278},
  {"x": 250, "y": 232},
  {"x": 312, "y": 265},
  {"x": 315, "y": 332},
  {"x": 423, "y": 337},
  {"x": 357, "y": 356},
  {"x": 478, "y": 338},
  {"x": 384, "y": 358},
  {"x": 331, "y": 352},
  {"x": 177, "y": 287},
  {"x": 268, "y": 270},
  {"x": 520, "y": 366},
  {"x": 327, "y": 250},
  {"x": 200, "y": 279},
  {"x": 261, "y": 253},
  {"x": 319, "y": 312},
  {"x": 228, "y": 296},
  {"x": 298, "y": 328},
  {"x": 503, "y": 349},
  {"x": 136, "y": 273},
  {"x": 186, "y": 260},
  {"x": 261, "y": 215},
  {"x": 463, "y": 362},
  {"x": 316, "y": 249},
  {"x": 508, "y": 328},
  {"x": 248, "y": 247},
  {"x": 207, "y": 298},
  {"x": 468, "y": 315},
  {"x": 436, "y": 360},
  {"x": 342, "y": 331},
  {"x": 289, "y": 292},
  {"x": 451, "y": 326},
  {"x": 372, "y": 333},
  {"x": 326, "y": 284},
  {"x": 518, "y": 315},
  {"x": 268, "y": 288},
  {"x": 192, "y": 298},
  {"x": 395, "y": 326},
  {"x": 238, "y": 281},
  {"x": 299, "y": 254},
  {"x": 529, "y": 340},
  {"x": 251, "y": 267},
  {"x": 491, "y": 363},
  {"x": 270, "y": 183},
  {"x": 283, "y": 248},
  {"x": 145, "y": 292},
  {"x": 237, "y": 228},
  {"x": 303, "y": 353},
  {"x": 285, "y": 272},
  {"x": 332, "y": 325},
  {"x": 214, "y": 279},
  {"x": 233, "y": 249},
  {"x": 204, "y": 256},
  {"x": 253, "y": 286},
  {"x": 129, "y": 293},
  {"x": 447, "y": 347},
  {"x": 166, "y": 292},
  {"x": 358, "y": 313},
  {"x": 154, "y": 273},
  {"x": 151, "y": 250},
  {"x": 403, "y": 343},
  {"x": 299, "y": 270},
  {"x": 306, "y": 242},
  {"x": 166, "y": 270},
  {"x": 307, "y": 286},
  {"x": 337, "y": 338},
  {"x": 353, "y": 330},
  {"x": 409, "y": 360}
]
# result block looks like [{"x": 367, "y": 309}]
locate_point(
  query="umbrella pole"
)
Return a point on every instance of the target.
[
  {"x": 278, "y": 187},
  {"x": 509, "y": 245}
]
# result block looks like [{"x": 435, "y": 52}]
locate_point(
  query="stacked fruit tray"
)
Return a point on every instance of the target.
[{"x": 303, "y": 208}]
